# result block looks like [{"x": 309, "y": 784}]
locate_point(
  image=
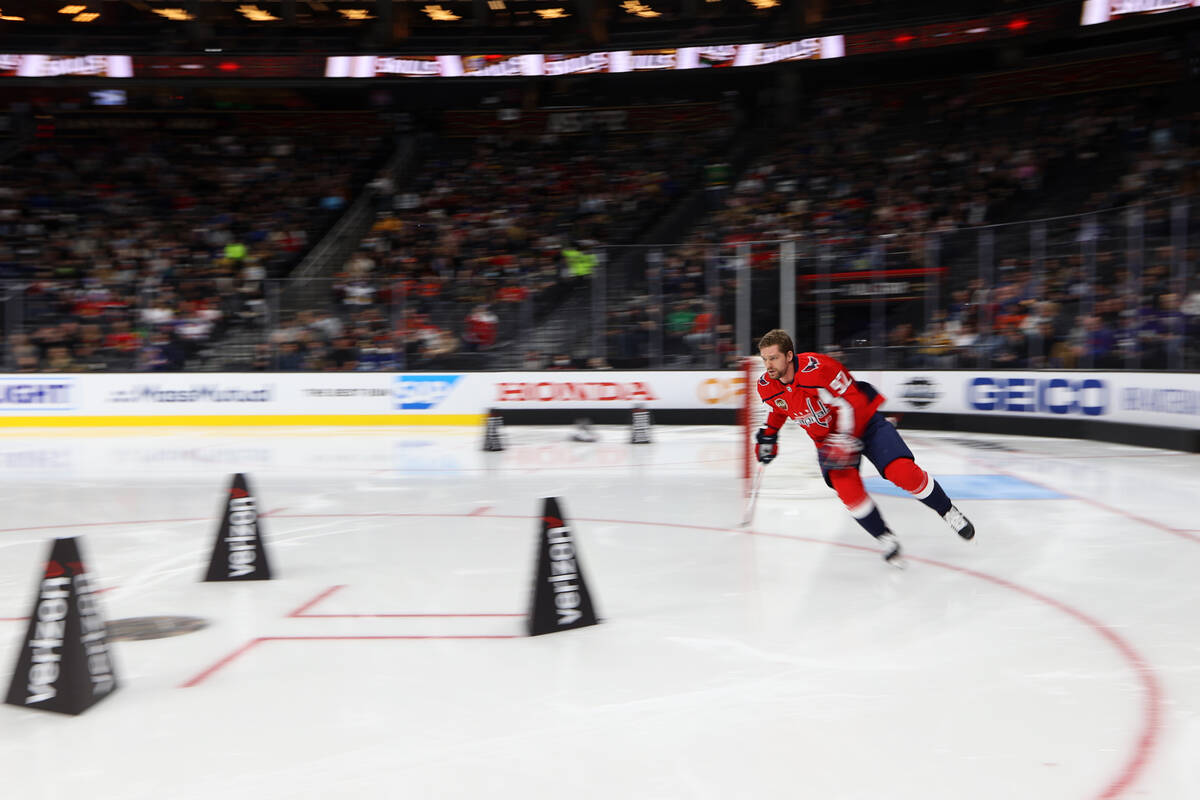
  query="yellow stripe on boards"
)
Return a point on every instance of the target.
[{"x": 239, "y": 420}]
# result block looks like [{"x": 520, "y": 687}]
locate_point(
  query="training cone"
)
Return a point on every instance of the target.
[
  {"x": 64, "y": 663},
  {"x": 640, "y": 429},
  {"x": 561, "y": 600},
  {"x": 493, "y": 434},
  {"x": 239, "y": 554}
]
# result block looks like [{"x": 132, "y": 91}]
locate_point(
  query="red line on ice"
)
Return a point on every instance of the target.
[
  {"x": 299, "y": 612},
  {"x": 1152, "y": 693}
]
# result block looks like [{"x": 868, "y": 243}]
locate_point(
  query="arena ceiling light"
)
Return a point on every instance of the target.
[
  {"x": 439, "y": 14},
  {"x": 639, "y": 9},
  {"x": 87, "y": 16},
  {"x": 496, "y": 5},
  {"x": 256, "y": 14},
  {"x": 173, "y": 14},
  {"x": 355, "y": 14},
  {"x": 763, "y": 5},
  {"x": 72, "y": 10},
  {"x": 8, "y": 18},
  {"x": 551, "y": 13}
]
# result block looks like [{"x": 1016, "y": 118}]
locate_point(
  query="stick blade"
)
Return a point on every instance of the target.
[{"x": 752, "y": 501}]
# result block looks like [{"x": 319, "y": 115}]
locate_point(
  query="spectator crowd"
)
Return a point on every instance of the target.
[
  {"x": 867, "y": 184},
  {"x": 495, "y": 231},
  {"x": 138, "y": 250},
  {"x": 149, "y": 251}
]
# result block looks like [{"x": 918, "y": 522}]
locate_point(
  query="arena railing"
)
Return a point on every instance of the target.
[{"x": 1112, "y": 289}]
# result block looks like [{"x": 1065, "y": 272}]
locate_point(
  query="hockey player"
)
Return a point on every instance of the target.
[{"x": 842, "y": 417}]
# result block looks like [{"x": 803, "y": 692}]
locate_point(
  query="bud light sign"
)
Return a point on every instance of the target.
[
  {"x": 1086, "y": 396},
  {"x": 37, "y": 394},
  {"x": 422, "y": 391}
]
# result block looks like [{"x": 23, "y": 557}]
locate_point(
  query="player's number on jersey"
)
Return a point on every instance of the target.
[{"x": 840, "y": 384}]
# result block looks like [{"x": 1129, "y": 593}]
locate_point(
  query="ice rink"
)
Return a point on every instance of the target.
[{"x": 1055, "y": 657}]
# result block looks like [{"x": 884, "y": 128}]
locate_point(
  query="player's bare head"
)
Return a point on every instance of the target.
[
  {"x": 777, "y": 338},
  {"x": 777, "y": 351}
]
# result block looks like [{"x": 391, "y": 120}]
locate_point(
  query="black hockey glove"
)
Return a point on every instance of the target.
[{"x": 766, "y": 446}]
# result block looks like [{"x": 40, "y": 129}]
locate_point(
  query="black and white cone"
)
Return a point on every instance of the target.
[
  {"x": 640, "y": 428},
  {"x": 64, "y": 664},
  {"x": 493, "y": 434},
  {"x": 561, "y": 600},
  {"x": 239, "y": 553}
]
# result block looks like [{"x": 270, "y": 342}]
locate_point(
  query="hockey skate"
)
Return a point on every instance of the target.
[
  {"x": 583, "y": 431},
  {"x": 891, "y": 549},
  {"x": 957, "y": 520}
]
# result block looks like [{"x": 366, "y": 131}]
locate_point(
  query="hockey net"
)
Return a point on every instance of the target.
[{"x": 794, "y": 473}]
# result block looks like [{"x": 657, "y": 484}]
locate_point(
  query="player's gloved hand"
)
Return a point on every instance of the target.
[
  {"x": 840, "y": 451},
  {"x": 766, "y": 446}
]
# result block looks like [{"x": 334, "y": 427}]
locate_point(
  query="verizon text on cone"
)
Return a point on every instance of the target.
[
  {"x": 561, "y": 600},
  {"x": 239, "y": 553},
  {"x": 64, "y": 664}
]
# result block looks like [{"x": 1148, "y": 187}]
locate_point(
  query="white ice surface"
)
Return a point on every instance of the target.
[{"x": 1055, "y": 657}]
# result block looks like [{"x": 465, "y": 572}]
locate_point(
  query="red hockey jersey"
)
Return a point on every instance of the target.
[{"x": 823, "y": 397}]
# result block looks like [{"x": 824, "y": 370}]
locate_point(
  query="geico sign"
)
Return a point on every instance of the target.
[
  {"x": 572, "y": 391},
  {"x": 721, "y": 391},
  {"x": 1088, "y": 396}
]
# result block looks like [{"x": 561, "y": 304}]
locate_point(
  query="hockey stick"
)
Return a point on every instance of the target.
[{"x": 748, "y": 516}]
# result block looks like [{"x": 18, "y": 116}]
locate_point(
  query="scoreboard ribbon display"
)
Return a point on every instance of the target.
[
  {"x": 609, "y": 61},
  {"x": 1097, "y": 11}
]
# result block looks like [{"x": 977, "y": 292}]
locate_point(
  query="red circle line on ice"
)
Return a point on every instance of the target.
[{"x": 1152, "y": 695}]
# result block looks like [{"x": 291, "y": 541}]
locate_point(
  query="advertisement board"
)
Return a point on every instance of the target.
[
  {"x": 38, "y": 394},
  {"x": 1138, "y": 398},
  {"x": 594, "y": 390},
  {"x": 1170, "y": 400},
  {"x": 357, "y": 398},
  {"x": 849, "y": 288}
]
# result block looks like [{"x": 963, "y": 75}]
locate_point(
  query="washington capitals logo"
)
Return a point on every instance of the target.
[
  {"x": 818, "y": 414},
  {"x": 812, "y": 364}
]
